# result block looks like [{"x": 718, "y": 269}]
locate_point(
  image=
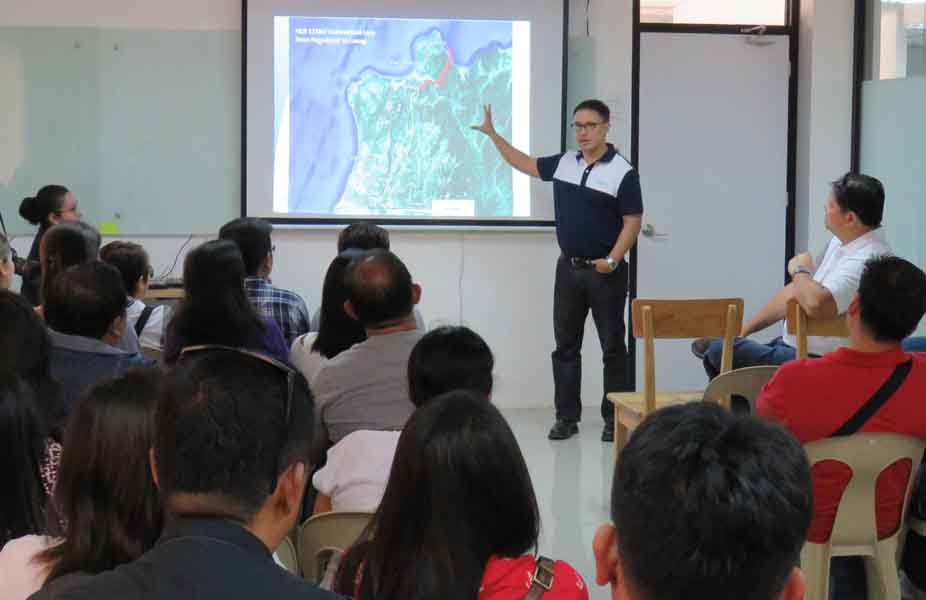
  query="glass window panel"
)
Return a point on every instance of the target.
[
  {"x": 896, "y": 39},
  {"x": 714, "y": 12}
]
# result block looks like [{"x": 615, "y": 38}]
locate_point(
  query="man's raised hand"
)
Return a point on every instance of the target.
[{"x": 487, "y": 127}]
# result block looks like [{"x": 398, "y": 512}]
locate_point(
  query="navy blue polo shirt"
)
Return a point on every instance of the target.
[{"x": 591, "y": 201}]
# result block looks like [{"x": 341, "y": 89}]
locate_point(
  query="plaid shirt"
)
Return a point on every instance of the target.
[{"x": 287, "y": 308}]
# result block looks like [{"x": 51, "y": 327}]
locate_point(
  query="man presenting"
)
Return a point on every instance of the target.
[{"x": 598, "y": 207}]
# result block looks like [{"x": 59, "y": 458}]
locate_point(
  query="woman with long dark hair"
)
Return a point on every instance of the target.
[
  {"x": 25, "y": 349},
  {"x": 337, "y": 331},
  {"x": 51, "y": 205},
  {"x": 215, "y": 308},
  {"x": 25, "y": 452},
  {"x": 459, "y": 515},
  {"x": 105, "y": 497}
]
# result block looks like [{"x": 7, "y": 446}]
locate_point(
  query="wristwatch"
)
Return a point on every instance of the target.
[
  {"x": 798, "y": 270},
  {"x": 612, "y": 264}
]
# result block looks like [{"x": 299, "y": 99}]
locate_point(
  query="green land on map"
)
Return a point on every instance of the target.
[{"x": 415, "y": 144}]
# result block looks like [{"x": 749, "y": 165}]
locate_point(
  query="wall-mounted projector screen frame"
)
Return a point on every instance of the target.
[{"x": 261, "y": 105}]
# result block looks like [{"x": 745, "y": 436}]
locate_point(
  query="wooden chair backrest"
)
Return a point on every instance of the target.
[
  {"x": 801, "y": 326},
  {"x": 678, "y": 319}
]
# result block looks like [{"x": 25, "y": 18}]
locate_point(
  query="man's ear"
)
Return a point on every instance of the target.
[
  {"x": 416, "y": 293},
  {"x": 116, "y": 328},
  {"x": 795, "y": 586},
  {"x": 291, "y": 486},
  {"x": 604, "y": 547},
  {"x": 854, "y": 306},
  {"x": 349, "y": 309},
  {"x": 153, "y": 463}
]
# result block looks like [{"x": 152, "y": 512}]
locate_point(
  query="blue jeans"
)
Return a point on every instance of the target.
[
  {"x": 748, "y": 353},
  {"x": 914, "y": 344}
]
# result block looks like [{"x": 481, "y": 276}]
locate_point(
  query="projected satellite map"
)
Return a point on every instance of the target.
[{"x": 379, "y": 114}]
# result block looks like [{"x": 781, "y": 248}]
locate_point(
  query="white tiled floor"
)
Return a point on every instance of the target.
[{"x": 572, "y": 480}]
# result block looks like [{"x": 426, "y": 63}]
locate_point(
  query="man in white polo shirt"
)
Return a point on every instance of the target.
[{"x": 853, "y": 214}]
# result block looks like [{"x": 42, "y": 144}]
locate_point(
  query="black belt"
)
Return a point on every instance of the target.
[{"x": 578, "y": 262}]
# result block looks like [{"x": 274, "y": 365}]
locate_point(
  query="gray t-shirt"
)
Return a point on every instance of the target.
[{"x": 364, "y": 387}]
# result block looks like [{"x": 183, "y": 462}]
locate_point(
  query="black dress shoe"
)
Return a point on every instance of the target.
[
  {"x": 607, "y": 434},
  {"x": 699, "y": 346},
  {"x": 563, "y": 430}
]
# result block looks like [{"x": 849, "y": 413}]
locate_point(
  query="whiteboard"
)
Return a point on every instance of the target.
[{"x": 144, "y": 126}]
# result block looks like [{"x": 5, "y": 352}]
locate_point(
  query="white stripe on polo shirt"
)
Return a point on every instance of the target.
[{"x": 605, "y": 177}]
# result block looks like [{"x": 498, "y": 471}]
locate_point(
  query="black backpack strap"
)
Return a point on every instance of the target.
[
  {"x": 143, "y": 320},
  {"x": 881, "y": 396}
]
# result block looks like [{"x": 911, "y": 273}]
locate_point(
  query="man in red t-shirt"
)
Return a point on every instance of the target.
[{"x": 815, "y": 397}]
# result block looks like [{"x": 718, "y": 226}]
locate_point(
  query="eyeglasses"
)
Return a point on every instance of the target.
[
  {"x": 582, "y": 127},
  {"x": 73, "y": 209},
  {"x": 287, "y": 398},
  {"x": 149, "y": 273},
  {"x": 273, "y": 250}
]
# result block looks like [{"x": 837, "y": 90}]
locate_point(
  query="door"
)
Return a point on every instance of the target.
[{"x": 713, "y": 163}]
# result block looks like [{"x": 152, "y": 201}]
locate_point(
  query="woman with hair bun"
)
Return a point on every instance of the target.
[{"x": 51, "y": 205}]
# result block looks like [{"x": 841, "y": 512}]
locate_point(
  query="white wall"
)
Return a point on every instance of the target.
[{"x": 824, "y": 112}]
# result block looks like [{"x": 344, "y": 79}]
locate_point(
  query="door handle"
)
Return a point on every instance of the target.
[{"x": 649, "y": 231}]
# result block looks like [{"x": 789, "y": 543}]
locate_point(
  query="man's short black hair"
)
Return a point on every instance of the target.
[
  {"x": 253, "y": 238},
  {"x": 596, "y": 105},
  {"x": 363, "y": 236},
  {"x": 708, "y": 504},
  {"x": 892, "y": 297},
  {"x": 446, "y": 359},
  {"x": 380, "y": 289},
  {"x": 85, "y": 299},
  {"x": 130, "y": 259},
  {"x": 863, "y": 195},
  {"x": 222, "y": 432}
]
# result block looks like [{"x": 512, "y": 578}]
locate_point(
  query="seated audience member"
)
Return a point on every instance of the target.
[
  {"x": 853, "y": 214},
  {"x": 25, "y": 349},
  {"x": 6, "y": 263},
  {"x": 815, "y": 398},
  {"x": 85, "y": 313},
  {"x": 362, "y": 237},
  {"x": 445, "y": 359},
  {"x": 148, "y": 322},
  {"x": 287, "y": 308},
  {"x": 50, "y": 206},
  {"x": 66, "y": 245},
  {"x": 459, "y": 518},
  {"x": 365, "y": 386},
  {"x": 230, "y": 460},
  {"x": 106, "y": 499},
  {"x": 215, "y": 308},
  {"x": 28, "y": 462},
  {"x": 336, "y": 330},
  {"x": 706, "y": 504}
]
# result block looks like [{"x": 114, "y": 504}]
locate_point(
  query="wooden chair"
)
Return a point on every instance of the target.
[
  {"x": 746, "y": 382},
  {"x": 323, "y": 535},
  {"x": 855, "y": 531},
  {"x": 672, "y": 319},
  {"x": 801, "y": 326}
]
